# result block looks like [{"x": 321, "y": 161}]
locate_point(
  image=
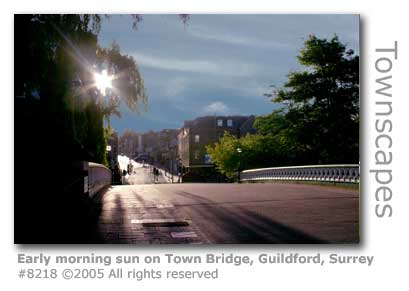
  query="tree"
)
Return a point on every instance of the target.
[
  {"x": 128, "y": 143},
  {"x": 224, "y": 154},
  {"x": 320, "y": 114},
  {"x": 56, "y": 59},
  {"x": 229, "y": 160},
  {"x": 127, "y": 81},
  {"x": 317, "y": 122},
  {"x": 59, "y": 118}
]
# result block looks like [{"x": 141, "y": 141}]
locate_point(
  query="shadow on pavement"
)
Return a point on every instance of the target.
[
  {"x": 224, "y": 225},
  {"x": 243, "y": 226}
]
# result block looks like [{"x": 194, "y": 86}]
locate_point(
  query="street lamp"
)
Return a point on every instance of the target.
[
  {"x": 238, "y": 168},
  {"x": 179, "y": 169}
]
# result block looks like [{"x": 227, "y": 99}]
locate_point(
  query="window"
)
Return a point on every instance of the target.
[
  {"x": 197, "y": 138},
  {"x": 197, "y": 155},
  {"x": 230, "y": 122},
  {"x": 219, "y": 122}
]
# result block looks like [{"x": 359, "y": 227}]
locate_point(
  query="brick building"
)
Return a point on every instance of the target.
[{"x": 198, "y": 133}]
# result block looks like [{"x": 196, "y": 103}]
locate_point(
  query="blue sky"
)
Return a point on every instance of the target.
[{"x": 217, "y": 64}]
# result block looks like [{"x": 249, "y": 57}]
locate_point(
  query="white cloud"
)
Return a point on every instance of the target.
[
  {"x": 230, "y": 38},
  {"x": 216, "y": 107},
  {"x": 211, "y": 67}
]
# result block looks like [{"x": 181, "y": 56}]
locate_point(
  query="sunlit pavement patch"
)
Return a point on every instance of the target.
[
  {"x": 164, "y": 206},
  {"x": 185, "y": 234}
]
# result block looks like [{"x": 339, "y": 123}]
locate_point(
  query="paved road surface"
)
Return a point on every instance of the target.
[
  {"x": 228, "y": 213},
  {"x": 143, "y": 175}
]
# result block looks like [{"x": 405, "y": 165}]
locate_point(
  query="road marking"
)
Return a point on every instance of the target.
[
  {"x": 185, "y": 234},
  {"x": 164, "y": 206}
]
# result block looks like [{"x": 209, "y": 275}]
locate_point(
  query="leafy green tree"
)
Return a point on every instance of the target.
[
  {"x": 317, "y": 122},
  {"x": 320, "y": 114},
  {"x": 127, "y": 80},
  {"x": 56, "y": 58},
  {"x": 229, "y": 160},
  {"x": 59, "y": 119},
  {"x": 224, "y": 154}
]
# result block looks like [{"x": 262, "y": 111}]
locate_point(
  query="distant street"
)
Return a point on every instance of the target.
[
  {"x": 143, "y": 175},
  {"x": 226, "y": 213}
]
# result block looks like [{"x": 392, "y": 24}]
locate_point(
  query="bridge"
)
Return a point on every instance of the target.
[{"x": 285, "y": 211}]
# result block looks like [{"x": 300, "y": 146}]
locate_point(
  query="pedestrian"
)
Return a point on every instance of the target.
[
  {"x": 179, "y": 176},
  {"x": 123, "y": 176},
  {"x": 155, "y": 175}
]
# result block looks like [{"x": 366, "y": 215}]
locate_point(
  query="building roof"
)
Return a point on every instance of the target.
[{"x": 210, "y": 120}]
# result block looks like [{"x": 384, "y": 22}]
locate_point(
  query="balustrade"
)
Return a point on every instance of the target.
[{"x": 324, "y": 173}]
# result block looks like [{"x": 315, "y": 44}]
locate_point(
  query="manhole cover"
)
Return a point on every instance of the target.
[{"x": 160, "y": 222}]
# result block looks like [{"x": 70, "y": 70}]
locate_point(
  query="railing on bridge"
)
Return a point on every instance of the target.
[
  {"x": 319, "y": 173},
  {"x": 99, "y": 176}
]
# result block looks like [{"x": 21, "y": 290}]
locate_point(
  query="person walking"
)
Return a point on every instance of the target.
[
  {"x": 155, "y": 175},
  {"x": 179, "y": 177}
]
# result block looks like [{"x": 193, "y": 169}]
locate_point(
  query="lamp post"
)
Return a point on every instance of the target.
[
  {"x": 179, "y": 169},
  {"x": 238, "y": 168},
  {"x": 111, "y": 163}
]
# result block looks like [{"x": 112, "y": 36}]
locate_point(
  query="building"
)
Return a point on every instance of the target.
[{"x": 198, "y": 133}]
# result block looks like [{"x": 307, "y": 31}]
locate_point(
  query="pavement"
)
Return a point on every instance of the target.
[
  {"x": 143, "y": 175},
  {"x": 146, "y": 213}
]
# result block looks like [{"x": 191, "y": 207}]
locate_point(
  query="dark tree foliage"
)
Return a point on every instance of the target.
[
  {"x": 128, "y": 81},
  {"x": 318, "y": 118},
  {"x": 319, "y": 122},
  {"x": 59, "y": 117},
  {"x": 56, "y": 58}
]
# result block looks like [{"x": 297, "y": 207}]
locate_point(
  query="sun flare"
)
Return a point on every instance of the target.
[{"x": 103, "y": 81}]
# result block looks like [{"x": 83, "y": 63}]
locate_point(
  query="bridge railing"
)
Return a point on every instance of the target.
[
  {"x": 99, "y": 176},
  {"x": 320, "y": 173}
]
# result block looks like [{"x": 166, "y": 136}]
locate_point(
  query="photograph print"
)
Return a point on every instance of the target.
[{"x": 186, "y": 129}]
